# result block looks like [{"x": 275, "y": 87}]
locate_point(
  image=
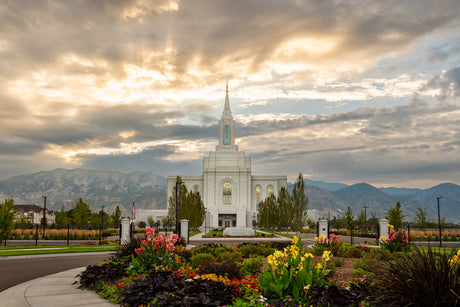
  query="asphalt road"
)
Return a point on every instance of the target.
[{"x": 14, "y": 271}]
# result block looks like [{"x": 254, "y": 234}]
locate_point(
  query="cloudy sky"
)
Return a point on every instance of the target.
[{"x": 342, "y": 91}]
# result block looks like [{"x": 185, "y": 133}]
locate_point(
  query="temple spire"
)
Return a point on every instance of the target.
[{"x": 227, "y": 113}]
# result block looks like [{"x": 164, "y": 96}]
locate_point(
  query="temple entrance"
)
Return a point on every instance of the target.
[{"x": 227, "y": 220}]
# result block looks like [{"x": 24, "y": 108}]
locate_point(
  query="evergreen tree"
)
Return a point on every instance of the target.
[
  {"x": 190, "y": 205},
  {"x": 284, "y": 209},
  {"x": 420, "y": 217},
  {"x": 349, "y": 217},
  {"x": 299, "y": 204},
  {"x": 115, "y": 218},
  {"x": 81, "y": 214},
  {"x": 62, "y": 218},
  {"x": 7, "y": 214},
  {"x": 395, "y": 216}
]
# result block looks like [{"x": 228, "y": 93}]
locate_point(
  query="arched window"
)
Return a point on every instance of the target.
[
  {"x": 270, "y": 190},
  {"x": 258, "y": 195},
  {"x": 227, "y": 193}
]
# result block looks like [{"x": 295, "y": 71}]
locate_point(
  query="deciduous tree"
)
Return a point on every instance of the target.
[{"x": 7, "y": 214}]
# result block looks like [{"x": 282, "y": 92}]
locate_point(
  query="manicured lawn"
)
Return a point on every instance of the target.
[{"x": 39, "y": 250}]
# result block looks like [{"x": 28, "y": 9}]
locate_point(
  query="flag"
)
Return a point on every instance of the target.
[{"x": 134, "y": 210}]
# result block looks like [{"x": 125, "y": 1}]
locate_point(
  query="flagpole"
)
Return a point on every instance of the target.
[{"x": 133, "y": 210}]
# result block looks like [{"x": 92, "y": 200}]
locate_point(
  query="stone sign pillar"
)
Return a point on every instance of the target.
[
  {"x": 322, "y": 228},
  {"x": 125, "y": 229},
  {"x": 383, "y": 229},
  {"x": 184, "y": 230}
]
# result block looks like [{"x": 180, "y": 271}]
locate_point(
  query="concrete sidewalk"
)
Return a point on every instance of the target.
[{"x": 54, "y": 290}]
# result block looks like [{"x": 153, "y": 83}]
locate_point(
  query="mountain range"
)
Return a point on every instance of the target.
[{"x": 148, "y": 191}]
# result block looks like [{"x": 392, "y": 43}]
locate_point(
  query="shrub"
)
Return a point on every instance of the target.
[
  {"x": 349, "y": 251},
  {"x": 163, "y": 288},
  {"x": 107, "y": 271},
  {"x": 368, "y": 264},
  {"x": 421, "y": 278},
  {"x": 228, "y": 270},
  {"x": 229, "y": 257},
  {"x": 200, "y": 259},
  {"x": 251, "y": 266}
]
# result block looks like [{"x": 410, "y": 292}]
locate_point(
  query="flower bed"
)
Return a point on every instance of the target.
[{"x": 158, "y": 272}]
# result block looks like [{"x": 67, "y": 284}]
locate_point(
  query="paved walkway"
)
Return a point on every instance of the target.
[{"x": 51, "y": 291}]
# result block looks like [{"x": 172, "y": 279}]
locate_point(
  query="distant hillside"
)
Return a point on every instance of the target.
[
  {"x": 400, "y": 191},
  {"x": 327, "y": 186},
  {"x": 98, "y": 188}
]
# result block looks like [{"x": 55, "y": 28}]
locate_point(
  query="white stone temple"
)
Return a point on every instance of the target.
[{"x": 229, "y": 191}]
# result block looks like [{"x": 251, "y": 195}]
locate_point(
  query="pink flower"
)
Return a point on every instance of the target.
[
  {"x": 150, "y": 231},
  {"x": 174, "y": 237},
  {"x": 143, "y": 242},
  {"x": 138, "y": 250}
]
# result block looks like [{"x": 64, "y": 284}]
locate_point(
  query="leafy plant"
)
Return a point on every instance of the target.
[
  {"x": 154, "y": 252},
  {"x": 422, "y": 278},
  {"x": 165, "y": 288},
  {"x": 290, "y": 273},
  {"x": 229, "y": 270},
  {"x": 107, "y": 271},
  {"x": 200, "y": 259},
  {"x": 396, "y": 242},
  {"x": 251, "y": 266},
  {"x": 229, "y": 257}
]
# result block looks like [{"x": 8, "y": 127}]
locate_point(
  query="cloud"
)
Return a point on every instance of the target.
[{"x": 446, "y": 86}]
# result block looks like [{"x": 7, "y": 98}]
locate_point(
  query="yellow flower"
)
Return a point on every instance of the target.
[
  {"x": 316, "y": 239},
  {"x": 326, "y": 255},
  {"x": 306, "y": 288},
  {"x": 391, "y": 226},
  {"x": 295, "y": 240},
  {"x": 318, "y": 265},
  {"x": 308, "y": 255}
]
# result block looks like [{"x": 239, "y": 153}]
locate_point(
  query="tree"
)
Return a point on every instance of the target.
[
  {"x": 190, "y": 205},
  {"x": 299, "y": 204},
  {"x": 267, "y": 217},
  {"x": 81, "y": 214},
  {"x": 7, "y": 214},
  {"x": 284, "y": 209},
  {"x": 349, "y": 217},
  {"x": 115, "y": 218},
  {"x": 395, "y": 216},
  {"x": 420, "y": 217},
  {"x": 62, "y": 218},
  {"x": 150, "y": 221}
]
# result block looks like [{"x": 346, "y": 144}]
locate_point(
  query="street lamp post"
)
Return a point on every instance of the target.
[
  {"x": 439, "y": 221},
  {"x": 178, "y": 183}
]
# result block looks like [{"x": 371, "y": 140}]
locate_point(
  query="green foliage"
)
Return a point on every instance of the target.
[
  {"x": 290, "y": 273},
  {"x": 349, "y": 251},
  {"x": 229, "y": 257},
  {"x": 349, "y": 217},
  {"x": 154, "y": 252},
  {"x": 251, "y": 266},
  {"x": 299, "y": 204},
  {"x": 396, "y": 242},
  {"x": 285, "y": 211},
  {"x": 63, "y": 218},
  {"x": 255, "y": 249},
  {"x": 81, "y": 213},
  {"x": 7, "y": 214},
  {"x": 200, "y": 259},
  {"x": 421, "y": 218},
  {"x": 369, "y": 262},
  {"x": 189, "y": 203},
  {"x": 395, "y": 216},
  {"x": 421, "y": 278},
  {"x": 115, "y": 218}
]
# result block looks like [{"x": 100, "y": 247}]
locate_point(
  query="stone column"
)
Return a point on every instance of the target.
[
  {"x": 383, "y": 229},
  {"x": 184, "y": 230},
  {"x": 322, "y": 228},
  {"x": 125, "y": 225}
]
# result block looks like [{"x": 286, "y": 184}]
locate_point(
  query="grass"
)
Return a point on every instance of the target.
[{"x": 40, "y": 250}]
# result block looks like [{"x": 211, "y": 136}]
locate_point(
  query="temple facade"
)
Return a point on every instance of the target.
[{"x": 229, "y": 190}]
